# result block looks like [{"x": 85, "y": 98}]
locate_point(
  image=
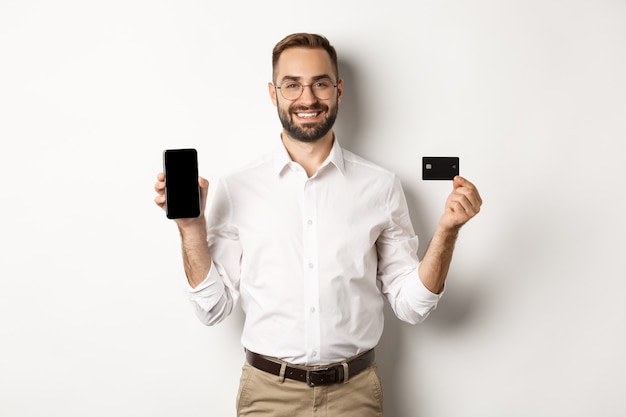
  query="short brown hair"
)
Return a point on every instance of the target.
[{"x": 304, "y": 40}]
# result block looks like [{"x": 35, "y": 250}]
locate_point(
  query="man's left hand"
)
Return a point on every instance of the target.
[{"x": 462, "y": 204}]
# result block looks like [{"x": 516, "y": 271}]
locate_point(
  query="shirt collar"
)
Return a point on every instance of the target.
[{"x": 282, "y": 158}]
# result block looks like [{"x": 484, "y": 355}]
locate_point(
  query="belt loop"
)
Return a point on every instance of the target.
[
  {"x": 281, "y": 374},
  {"x": 346, "y": 372}
]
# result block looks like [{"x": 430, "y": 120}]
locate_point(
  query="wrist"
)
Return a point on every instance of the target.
[
  {"x": 193, "y": 228},
  {"x": 448, "y": 231}
]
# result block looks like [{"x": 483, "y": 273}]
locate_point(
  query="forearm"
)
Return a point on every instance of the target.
[
  {"x": 196, "y": 255},
  {"x": 435, "y": 264},
  {"x": 462, "y": 204}
]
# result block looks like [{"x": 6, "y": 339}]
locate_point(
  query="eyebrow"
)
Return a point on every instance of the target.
[{"x": 297, "y": 78}]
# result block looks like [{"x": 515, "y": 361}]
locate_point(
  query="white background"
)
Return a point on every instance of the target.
[{"x": 531, "y": 95}]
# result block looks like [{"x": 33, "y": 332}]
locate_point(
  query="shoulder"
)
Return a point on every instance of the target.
[
  {"x": 250, "y": 170},
  {"x": 357, "y": 165}
]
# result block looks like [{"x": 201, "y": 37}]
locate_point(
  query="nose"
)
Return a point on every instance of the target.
[{"x": 308, "y": 96}]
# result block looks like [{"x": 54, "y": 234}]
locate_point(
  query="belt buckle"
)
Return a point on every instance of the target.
[{"x": 311, "y": 383}]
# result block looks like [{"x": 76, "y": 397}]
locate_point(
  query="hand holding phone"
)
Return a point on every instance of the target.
[{"x": 182, "y": 194}]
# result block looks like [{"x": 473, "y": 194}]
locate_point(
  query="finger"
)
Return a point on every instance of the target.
[
  {"x": 160, "y": 200},
  {"x": 469, "y": 197},
  {"x": 159, "y": 187},
  {"x": 204, "y": 191},
  {"x": 460, "y": 181},
  {"x": 464, "y": 186},
  {"x": 461, "y": 203}
]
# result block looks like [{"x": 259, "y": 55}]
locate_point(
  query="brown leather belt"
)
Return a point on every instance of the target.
[{"x": 313, "y": 376}]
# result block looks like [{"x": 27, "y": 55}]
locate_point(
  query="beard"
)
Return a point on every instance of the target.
[{"x": 308, "y": 132}]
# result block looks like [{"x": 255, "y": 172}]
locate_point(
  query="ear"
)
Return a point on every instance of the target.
[
  {"x": 339, "y": 90},
  {"x": 272, "y": 91}
]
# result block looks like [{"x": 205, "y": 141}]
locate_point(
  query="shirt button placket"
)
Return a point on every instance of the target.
[{"x": 311, "y": 279}]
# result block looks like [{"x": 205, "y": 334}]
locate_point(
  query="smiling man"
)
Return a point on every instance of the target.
[
  {"x": 306, "y": 91},
  {"x": 309, "y": 118},
  {"x": 311, "y": 239}
]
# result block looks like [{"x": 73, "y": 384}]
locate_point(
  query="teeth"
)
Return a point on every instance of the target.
[{"x": 307, "y": 115}]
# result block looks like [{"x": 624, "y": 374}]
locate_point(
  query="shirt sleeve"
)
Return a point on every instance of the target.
[
  {"x": 213, "y": 300},
  {"x": 398, "y": 263}
]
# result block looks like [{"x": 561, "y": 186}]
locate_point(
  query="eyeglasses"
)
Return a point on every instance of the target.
[{"x": 292, "y": 90}]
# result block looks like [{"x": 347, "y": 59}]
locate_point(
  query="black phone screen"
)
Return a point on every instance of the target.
[{"x": 182, "y": 193}]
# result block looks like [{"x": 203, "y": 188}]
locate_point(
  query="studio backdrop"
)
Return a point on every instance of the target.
[{"x": 94, "y": 317}]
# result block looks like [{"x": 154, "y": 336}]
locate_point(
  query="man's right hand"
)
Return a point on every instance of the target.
[
  {"x": 196, "y": 255},
  {"x": 159, "y": 187}
]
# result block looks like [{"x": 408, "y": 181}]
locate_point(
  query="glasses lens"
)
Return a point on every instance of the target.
[
  {"x": 292, "y": 90},
  {"x": 323, "y": 89}
]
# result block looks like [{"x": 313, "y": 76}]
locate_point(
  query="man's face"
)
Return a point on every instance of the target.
[{"x": 306, "y": 118}]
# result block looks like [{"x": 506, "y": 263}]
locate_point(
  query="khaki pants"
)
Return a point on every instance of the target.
[{"x": 265, "y": 395}]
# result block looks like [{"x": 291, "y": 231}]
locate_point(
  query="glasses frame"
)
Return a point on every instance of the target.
[{"x": 302, "y": 86}]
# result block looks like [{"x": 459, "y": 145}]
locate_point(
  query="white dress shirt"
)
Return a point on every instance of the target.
[{"x": 311, "y": 258}]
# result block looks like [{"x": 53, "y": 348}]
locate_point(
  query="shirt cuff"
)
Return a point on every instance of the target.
[
  {"x": 208, "y": 293},
  {"x": 420, "y": 298}
]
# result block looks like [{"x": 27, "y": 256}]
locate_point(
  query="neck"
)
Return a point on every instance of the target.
[{"x": 309, "y": 155}]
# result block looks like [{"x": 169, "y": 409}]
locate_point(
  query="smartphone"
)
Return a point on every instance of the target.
[
  {"x": 182, "y": 193},
  {"x": 440, "y": 167}
]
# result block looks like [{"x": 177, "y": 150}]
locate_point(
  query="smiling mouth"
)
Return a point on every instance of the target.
[{"x": 307, "y": 115}]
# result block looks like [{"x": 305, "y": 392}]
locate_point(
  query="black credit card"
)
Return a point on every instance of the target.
[{"x": 440, "y": 167}]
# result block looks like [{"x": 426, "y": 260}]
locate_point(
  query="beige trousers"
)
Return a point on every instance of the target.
[{"x": 265, "y": 395}]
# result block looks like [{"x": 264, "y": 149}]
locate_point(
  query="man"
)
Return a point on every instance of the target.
[{"x": 310, "y": 239}]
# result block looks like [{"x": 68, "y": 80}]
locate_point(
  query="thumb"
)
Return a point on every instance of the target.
[
  {"x": 204, "y": 191},
  {"x": 457, "y": 182}
]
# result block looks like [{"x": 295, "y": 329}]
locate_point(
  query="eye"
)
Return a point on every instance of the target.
[
  {"x": 290, "y": 85},
  {"x": 320, "y": 85}
]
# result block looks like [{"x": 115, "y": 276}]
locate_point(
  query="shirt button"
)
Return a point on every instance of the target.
[
  {"x": 314, "y": 353},
  {"x": 310, "y": 266},
  {"x": 312, "y": 310},
  {"x": 309, "y": 222}
]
